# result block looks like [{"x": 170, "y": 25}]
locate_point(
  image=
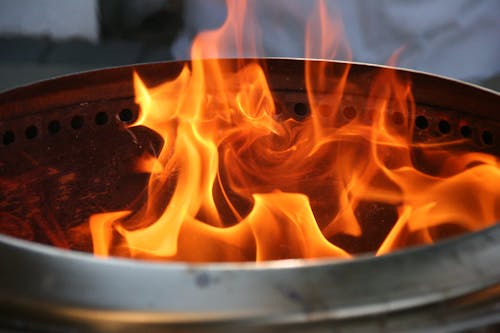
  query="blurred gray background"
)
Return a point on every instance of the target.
[{"x": 40, "y": 39}]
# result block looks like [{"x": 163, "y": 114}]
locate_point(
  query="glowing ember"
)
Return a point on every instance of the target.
[{"x": 238, "y": 181}]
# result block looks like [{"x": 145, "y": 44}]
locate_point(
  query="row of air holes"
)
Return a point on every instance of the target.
[
  {"x": 421, "y": 122},
  {"x": 76, "y": 123},
  {"x": 444, "y": 127},
  {"x": 300, "y": 109}
]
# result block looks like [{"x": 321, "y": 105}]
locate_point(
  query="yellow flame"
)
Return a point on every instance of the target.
[{"x": 237, "y": 181}]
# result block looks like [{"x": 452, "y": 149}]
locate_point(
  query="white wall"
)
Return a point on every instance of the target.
[{"x": 457, "y": 38}]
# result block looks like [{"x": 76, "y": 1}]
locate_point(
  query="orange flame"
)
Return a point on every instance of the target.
[{"x": 236, "y": 182}]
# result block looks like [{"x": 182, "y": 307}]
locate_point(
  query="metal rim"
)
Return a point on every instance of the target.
[{"x": 81, "y": 286}]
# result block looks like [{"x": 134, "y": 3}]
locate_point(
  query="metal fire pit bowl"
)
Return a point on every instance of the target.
[{"x": 65, "y": 154}]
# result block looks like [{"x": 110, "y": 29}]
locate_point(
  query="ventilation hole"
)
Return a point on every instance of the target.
[
  {"x": 301, "y": 109},
  {"x": 101, "y": 118},
  {"x": 487, "y": 138},
  {"x": 77, "y": 122},
  {"x": 126, "y": 115},
  {"x": 31, "y": 132},
  {"x": 421, "y": 122},
  {"x": 466, "y": 131},
  {"x": 54, "y": 127},
  {"x": 444, "y": 127},
  {"x": 349, "y": 112},
  {"x": 9, "y": 137},
  {"x": 397, "y": 118}
]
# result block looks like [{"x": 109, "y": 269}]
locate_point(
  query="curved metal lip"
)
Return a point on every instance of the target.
[
  {"x": 51, "y": 251},
  {"x": 70, "y": 284},
  {"x": 180, "y": 61},
  {"x": 410, "y": 70},
  {"x": 77, "y": 286}
]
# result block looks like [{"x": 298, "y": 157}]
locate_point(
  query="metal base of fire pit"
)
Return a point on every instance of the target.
[
  {"x": 448, "y": 287},
  {"x": 66, "y": 153}
]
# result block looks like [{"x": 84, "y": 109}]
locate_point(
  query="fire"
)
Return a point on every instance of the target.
[{"x": 235, "y": 180}]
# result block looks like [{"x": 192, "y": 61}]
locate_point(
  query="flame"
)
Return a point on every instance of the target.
[{"x": 237, "y": 181}]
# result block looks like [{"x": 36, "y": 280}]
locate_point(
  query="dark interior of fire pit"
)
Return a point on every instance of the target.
[{"x": 62, "y": 161}]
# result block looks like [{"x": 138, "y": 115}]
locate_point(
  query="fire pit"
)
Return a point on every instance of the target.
[{"x": 69, "y": 155}]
